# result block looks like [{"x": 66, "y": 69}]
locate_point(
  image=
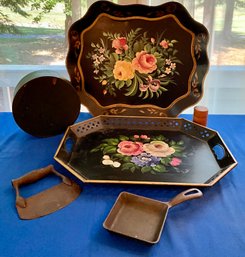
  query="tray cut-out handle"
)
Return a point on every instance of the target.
[
  {"x": 219, "y": 152},
  {"x": 68, "y": 145}
]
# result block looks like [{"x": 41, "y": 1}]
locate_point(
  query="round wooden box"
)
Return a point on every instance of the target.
[{"x": 44, "y": 104}]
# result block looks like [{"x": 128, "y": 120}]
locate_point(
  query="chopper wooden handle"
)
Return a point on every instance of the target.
[
  {"x": 34, "y": 176},
  {"x": 186, "y": 195}
]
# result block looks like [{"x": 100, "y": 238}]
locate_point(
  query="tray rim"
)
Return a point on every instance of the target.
[{"x": 164, "y": 183}]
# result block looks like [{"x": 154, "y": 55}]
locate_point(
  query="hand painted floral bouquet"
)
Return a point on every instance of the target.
[
  {"x": 140, "y": 152},
  {"x": 135, "y": 63}
]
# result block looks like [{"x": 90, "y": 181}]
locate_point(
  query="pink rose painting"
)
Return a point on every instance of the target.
[
  {"x": 175, "y": 162},
  {"x": 130, "y": 148},
  {"x": 134, "y": 63},
  {"x": 164, "y": 44},
  {"x": 120, "y": 44},
  {"x": 144, "y": 62}
]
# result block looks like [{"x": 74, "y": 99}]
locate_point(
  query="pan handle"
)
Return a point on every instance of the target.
[
  {"x": 33, "y": 176},
  {"x": 186, "y": 195}
]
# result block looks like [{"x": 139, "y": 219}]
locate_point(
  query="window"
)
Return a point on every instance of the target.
[{"x": 43, "y": 45}]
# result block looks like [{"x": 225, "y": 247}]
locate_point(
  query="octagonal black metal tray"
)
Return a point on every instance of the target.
[
  {"x": 137, "y": 59},
  {"x": 140, "y": 150}
]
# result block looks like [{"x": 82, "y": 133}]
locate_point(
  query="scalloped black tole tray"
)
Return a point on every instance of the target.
[
  {"x": 137, "y": 60},
  {"x": 136, "y": 150}
]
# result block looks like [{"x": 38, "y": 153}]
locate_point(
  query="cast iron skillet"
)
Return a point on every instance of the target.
[{"x": 143, "y": 218}]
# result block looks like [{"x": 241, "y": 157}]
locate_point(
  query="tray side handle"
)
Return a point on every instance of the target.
[{"x": 221, "y": 152}]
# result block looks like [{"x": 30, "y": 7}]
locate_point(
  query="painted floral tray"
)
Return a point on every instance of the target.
[
  {"x": 162, "y": 151},
  {"x": 137, "y": 59}
]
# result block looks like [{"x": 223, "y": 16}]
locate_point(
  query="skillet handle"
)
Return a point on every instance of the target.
[
  {"x": 34, "y": 176},
  {"x": 186, "y": 195}
]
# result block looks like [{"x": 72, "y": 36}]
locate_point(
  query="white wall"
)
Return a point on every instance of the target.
[{"x": 223, "y": 90}]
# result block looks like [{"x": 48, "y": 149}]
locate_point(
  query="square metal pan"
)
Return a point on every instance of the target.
[{"x": 143, "y": 218}]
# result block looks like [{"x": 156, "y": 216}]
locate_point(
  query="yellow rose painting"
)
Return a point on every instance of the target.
[{"x": 123, "y": 70}]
